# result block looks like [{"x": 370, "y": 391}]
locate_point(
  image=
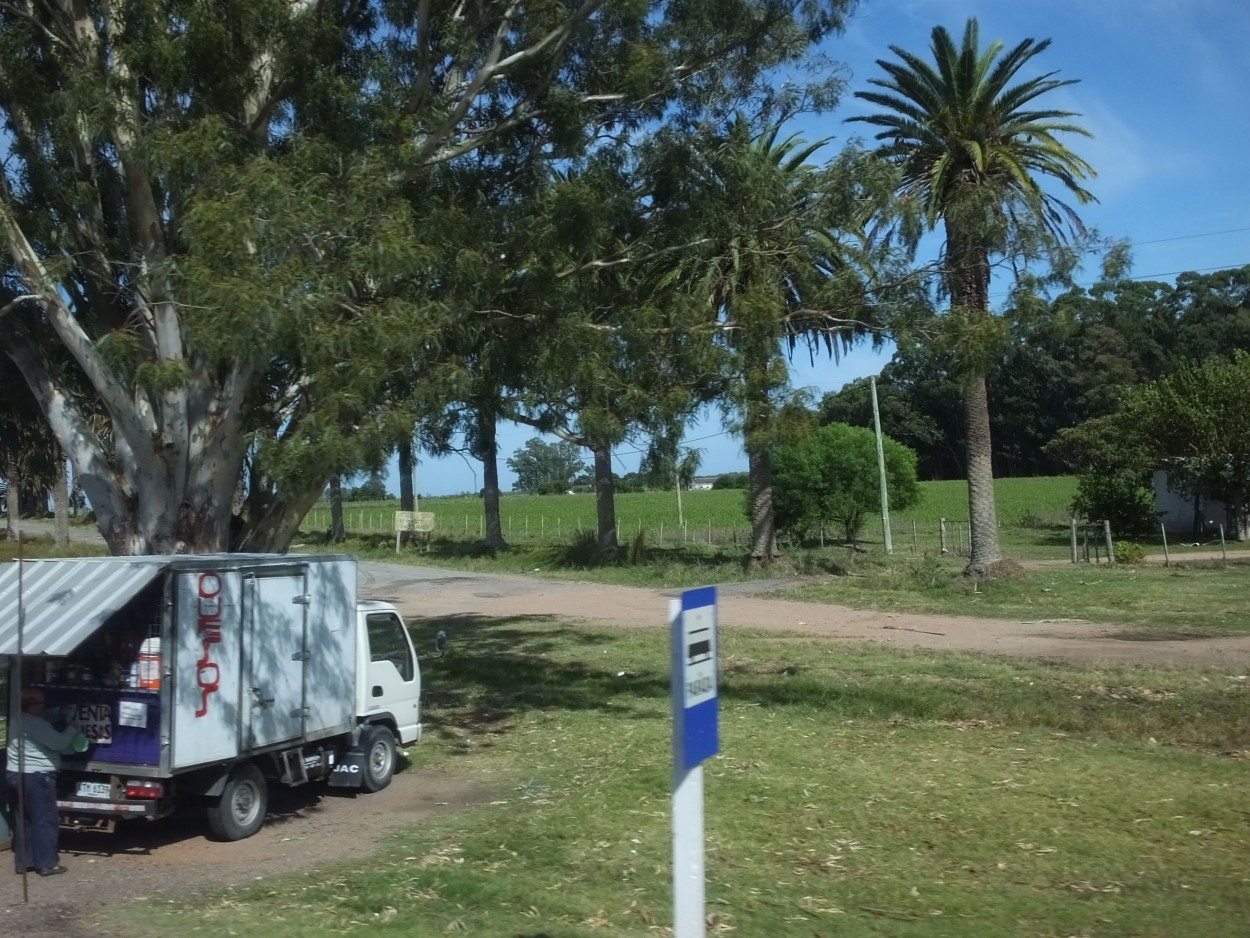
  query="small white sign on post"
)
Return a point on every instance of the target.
[
  {"x": 413, "y": 522},
  {"x": 695, "y": 738}
]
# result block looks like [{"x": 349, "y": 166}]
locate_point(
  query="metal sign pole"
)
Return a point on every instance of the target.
[
  {"x": 15, "y": 724},
  {"x": 695, "y": 738}
]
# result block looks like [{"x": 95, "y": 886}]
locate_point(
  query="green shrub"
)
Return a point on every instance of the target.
[
  {"x": 831, "y": 478},
  {"x": 1129, "y": 552}
]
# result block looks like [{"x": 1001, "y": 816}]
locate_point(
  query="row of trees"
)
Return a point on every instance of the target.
[
  {"x": 1069, "y": 360},
  {"x": 250, "y": 248}
]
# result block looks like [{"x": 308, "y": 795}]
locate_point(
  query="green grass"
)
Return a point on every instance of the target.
[
  {"x": 860, "y": 792},
  {"x": 1198, "y": 597},
  {"x": 36, "y": 546},
  {"x": 1021, "y": 502}
]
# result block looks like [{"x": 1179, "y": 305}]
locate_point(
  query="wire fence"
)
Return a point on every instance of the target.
[{"x": 945, "y": 535}]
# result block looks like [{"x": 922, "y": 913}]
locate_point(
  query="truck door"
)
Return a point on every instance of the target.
[
  {"x": 274, "y": 652},
  {"x": 394, "y": 680}
]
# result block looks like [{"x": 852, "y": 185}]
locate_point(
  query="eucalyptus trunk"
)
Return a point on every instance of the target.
[
  {"x": 407, "y": 491},
  {"x": 12, "y": 498},
  {"x": 60, "y": 500},
  {"x": 488, "y": 452},
  {"x": 605, "y": 502},
  {"x": 338, "y": 528},
  {"x": 407, "y": 467}
]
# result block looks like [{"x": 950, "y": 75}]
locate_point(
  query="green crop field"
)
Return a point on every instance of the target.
[{"x": 710, "y": 517}]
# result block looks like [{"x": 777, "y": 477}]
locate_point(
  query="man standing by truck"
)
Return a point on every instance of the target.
[{"x": 33, "y": 759}]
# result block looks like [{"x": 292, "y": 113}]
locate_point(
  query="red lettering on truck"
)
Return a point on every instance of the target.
[{"x": 208, "y": 629}]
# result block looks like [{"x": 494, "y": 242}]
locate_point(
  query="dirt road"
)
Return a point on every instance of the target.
[
  {"x": 305, "y": 828},
  {"x": 426, "y": 592}
]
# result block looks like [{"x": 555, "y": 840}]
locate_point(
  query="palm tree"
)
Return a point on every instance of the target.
[
  {"x": 971, "y": 148},
  {"x": 768, "y": 258}
]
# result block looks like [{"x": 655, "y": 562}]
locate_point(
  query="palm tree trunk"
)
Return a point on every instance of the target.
[
  {"x": 763, "y": 522},
  {"x": 982, "y": 513},
  {"x": 970, "y": 295},
  {"x": 605, "y": 501}
]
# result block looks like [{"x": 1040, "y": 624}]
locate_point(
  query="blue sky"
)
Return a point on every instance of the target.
[{"x": 1165, "y": 89}]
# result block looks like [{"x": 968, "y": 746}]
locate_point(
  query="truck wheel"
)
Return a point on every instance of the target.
[
  {"x": 378, "y": 744},
  {"x": 240, "y": 811}
]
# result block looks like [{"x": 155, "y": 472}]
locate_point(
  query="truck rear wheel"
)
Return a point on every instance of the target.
[
  {"x": 378, "y": 744},
  {"x": 240, "y": 811}
]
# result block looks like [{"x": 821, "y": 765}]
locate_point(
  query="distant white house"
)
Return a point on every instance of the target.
[
  {"x": 1185, "y": 515},
  {"x": 702, "y": 483}
]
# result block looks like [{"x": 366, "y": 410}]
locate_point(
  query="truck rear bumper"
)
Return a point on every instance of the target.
[{"x": 109, "y": 808}]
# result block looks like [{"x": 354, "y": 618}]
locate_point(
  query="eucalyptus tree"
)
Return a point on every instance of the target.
[
  {"x": 31, "y": 462},
  {"x": 614, "y": 356},
  {"x": 214, "y": 210},
  {"x": 973, "y": 150}
]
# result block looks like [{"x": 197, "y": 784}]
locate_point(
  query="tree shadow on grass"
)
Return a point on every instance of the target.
[{"x": 497, "y": 668}]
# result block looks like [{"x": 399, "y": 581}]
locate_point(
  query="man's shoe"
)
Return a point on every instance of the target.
[{"x": 52, "y": 870}]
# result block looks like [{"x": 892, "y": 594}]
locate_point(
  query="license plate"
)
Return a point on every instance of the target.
[{"x": 94, "y": 790}]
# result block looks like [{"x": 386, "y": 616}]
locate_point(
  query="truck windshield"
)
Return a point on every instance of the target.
[{"x": 387, "y": 642}]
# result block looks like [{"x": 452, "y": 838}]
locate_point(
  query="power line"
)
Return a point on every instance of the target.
[{"x": 1205, "y": 234}]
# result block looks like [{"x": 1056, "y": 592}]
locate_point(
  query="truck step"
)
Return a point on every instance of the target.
[{"x": 293, "y": 770}]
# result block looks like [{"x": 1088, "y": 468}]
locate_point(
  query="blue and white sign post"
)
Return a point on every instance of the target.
[{"x": 695, "y": 738}]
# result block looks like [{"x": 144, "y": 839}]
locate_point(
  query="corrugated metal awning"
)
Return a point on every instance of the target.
[{"x": 65, "y": 601}]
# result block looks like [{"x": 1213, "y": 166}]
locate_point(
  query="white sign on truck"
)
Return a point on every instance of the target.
[{"x": 208, "y": 678}]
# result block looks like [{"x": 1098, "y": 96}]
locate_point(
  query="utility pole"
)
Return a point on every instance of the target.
[{"x": 885, "y": 498}]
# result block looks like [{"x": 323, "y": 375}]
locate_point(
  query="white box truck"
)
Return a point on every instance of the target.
[{"x": 205, "y": 679}]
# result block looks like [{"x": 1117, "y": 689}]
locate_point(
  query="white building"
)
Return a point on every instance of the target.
[{"x": 1187, "y": 516}]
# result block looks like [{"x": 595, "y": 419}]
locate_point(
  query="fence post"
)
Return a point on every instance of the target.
[
  {"x": 942, "y": 534},
  {"x": 1106, "y": 531},
  {"x": 915, "y": 540},
  {"x": 1223, "y": 551},
  {"x": 1074, "y": 555},
  {"x": 661, "y": 541},
  {"x": 1164, "y": 531}
]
